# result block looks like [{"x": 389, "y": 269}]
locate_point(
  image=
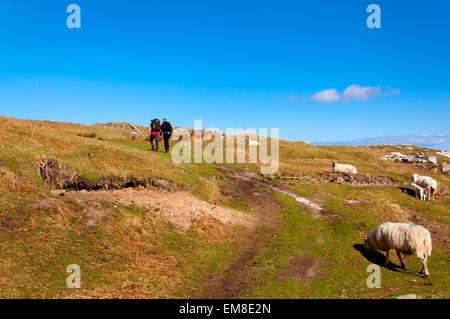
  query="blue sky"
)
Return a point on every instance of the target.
[{"x": 232, "y": 64}]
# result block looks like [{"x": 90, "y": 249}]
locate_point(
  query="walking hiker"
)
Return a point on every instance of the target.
[
  {"x": 154, "y": 131},
  {"x": 166, "y": 132}
]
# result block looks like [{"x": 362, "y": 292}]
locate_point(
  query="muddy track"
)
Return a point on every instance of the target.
[
  {"x": 236, "y": 280},
  {"x": 265, "y": 209}
]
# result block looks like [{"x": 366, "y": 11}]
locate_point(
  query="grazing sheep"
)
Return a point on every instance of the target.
[
  {"x": 420, "y": 191},
  {"x": 404, "y": 238},
  {"x": 343, "y": 168},
  {"x": 429, "y": 183}
]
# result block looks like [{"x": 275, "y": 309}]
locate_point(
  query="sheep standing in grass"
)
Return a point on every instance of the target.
[
  {"x": 404, "y": 238},
  {"x": 427, "y": 182},
  {"x": 343, "y": 168},
  {"x": 420, "y": 191}
]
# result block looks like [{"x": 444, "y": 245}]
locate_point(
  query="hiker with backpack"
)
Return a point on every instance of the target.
[
  {"x": 154, "y": 131},
  {"x": 166, "y": 132}
]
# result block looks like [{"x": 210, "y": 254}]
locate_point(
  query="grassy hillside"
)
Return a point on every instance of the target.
[{"x": 130, "y": 250}]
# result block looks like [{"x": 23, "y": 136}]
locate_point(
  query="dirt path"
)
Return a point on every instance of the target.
[
  {"x": 264, "y": 207},
  {"x": 246, "y": 186},
  {"x": 182, "y": 209},
  {"x": 312, "y": 205}
]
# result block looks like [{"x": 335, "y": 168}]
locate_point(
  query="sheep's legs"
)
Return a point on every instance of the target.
[
  {"x": 423, "y": 260},
  {"x": 399, "y": 255},
  {"x": 387, "y": 258}
]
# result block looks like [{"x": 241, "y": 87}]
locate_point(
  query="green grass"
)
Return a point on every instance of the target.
[
  {"x": 133, "y": 254},
  {"x": 239, "y": 205},
  {"x": 341, "y": 268},
  {"x": 130, "y": 246}
]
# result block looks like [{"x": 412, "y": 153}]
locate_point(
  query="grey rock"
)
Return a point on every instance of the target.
[
  {"x": 409, "y": 296},
  {"x": 445, "y": 168},
  {"x": 162, "y": 183}
]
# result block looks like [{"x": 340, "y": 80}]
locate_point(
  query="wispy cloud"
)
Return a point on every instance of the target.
[
  {"x": 292, "y": 98},
  {"x": 409, "y": 139},
  {"x": 352, "y": 93},
  {"x": 418, "y": 140}
]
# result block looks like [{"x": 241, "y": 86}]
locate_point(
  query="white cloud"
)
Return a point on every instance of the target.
[
  {"x": 353, "y": 92},
  {"x": 326, "y": 96},
  {"x": 359, "y": 93}
]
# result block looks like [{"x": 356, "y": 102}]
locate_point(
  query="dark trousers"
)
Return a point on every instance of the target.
[
  {"x": 166, "y": 137},
  {"x": 154, "y": 137}
]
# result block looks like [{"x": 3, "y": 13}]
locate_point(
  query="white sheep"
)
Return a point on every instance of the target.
[
  {"x": 427, "y": 182},
  {"x": 343, "y": 168},
  {"x": 404, "y": 238},
  {"x": 420, "y": 191}
]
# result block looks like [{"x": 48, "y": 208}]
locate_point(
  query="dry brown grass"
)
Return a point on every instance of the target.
[
  {"x": 88, "y": 135},
  {"x": 10, "y": 182},
  {"x": 56, "y": 174},
  {"x": 392, "y": 212}
]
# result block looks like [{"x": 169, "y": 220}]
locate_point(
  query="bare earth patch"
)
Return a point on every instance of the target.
[
  {"x": 303, "y": 268},
  {"x": 178, "y": 208}
]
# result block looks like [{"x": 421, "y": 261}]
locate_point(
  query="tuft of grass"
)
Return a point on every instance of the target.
[
  {"x": 88, "y": 135},
  {"x": 239, "y": 205}
]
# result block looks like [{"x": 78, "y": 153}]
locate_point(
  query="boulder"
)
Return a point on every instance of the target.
[
  {"x": 179, "y": 131},
  {"x": 443, "y": 153},
  {"x": 161, "y": 183},
  {"x": 409, "y": 296}
]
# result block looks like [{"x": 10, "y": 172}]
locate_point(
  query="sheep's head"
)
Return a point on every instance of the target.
[
  {"x": 415, "y": 177},
  {"x": 367, "y": 244},
  {"x": 333, "y": 163}
]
